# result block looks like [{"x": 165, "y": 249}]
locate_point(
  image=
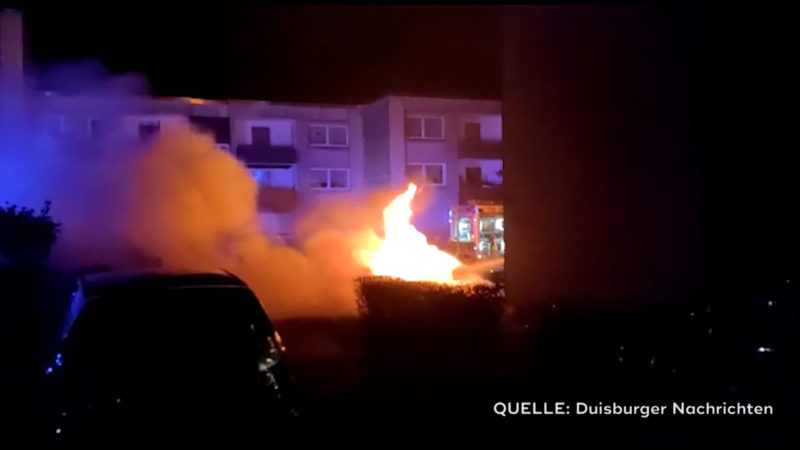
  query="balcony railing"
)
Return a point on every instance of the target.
[
  {"x": 277, "y": 200},
  {"x": 479, "y": 192},
  {"x": 474, "y": 148},
  {"x": 256, "y": 154}
]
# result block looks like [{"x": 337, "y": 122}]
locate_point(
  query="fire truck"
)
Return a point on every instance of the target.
[{"x": 476, "y": 231}]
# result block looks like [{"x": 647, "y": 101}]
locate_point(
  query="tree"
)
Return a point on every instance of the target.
[{"x": 26, "y": 238}]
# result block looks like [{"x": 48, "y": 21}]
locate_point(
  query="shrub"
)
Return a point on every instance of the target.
[
  {"x": 26, "y": 238},
  {"x": 410, "y": 314}
]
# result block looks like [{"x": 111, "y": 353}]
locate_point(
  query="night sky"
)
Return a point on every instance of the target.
[{"x": 337, "y": 54}]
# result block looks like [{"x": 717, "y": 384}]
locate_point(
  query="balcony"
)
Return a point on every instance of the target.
[
  {"x": 260, "y": 154},
  {"x": 475, "y": 148},
  {"x": 479, "y": 192},
  {"x": 277, "y": 200}
]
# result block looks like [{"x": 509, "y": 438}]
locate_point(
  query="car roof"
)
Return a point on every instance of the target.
[
  {"x": 109, "y": 284},
  {"x": 101, "y": 284}
]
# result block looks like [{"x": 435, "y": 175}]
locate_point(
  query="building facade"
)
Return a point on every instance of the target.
[
  {"x": 450, "y": 147},
  {"x": 302, "y": 154}
]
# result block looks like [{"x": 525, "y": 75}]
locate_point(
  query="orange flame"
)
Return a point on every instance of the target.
[{"x": 404, "y": 252}]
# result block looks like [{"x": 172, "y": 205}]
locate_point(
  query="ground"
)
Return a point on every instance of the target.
[{"x": 353, "y": 390}]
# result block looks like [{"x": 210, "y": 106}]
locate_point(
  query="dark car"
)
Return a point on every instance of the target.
[{"x": 157, "y": 358}]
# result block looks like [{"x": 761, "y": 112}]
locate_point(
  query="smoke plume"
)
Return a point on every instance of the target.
[
  {"x": 193, "y": 206},
  {"x": 181, "y": 201}
]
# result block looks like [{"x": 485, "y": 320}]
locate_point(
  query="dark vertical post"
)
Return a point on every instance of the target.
[{"x": 11, "y": 68}]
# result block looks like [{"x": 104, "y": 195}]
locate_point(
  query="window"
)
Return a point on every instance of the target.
[
  {"x": 269, "y": 133},
  {"x": 330, "y": 179},
  {"x": 261, "y": 135},
  {"x": 324, "y": 135},
  {"x": 317, "y": 135},
  {"x": 414, "y": 127},
  {"x": 434, "y": 127},
  {"x": 424, "y": 127},
  {"x": 432, "y": 173},
  {"x": 219, "y": 128},
  {"x": 273, "y": 177},
  {"x": 148, "y": 129},
  {"x": 319, "y": 179},
  {"x": 340, "y": 179},
  {"x": 490, "y": 224},
  {"x": 73, "y": 126},
  {"x": 472, "y": 131},
  {"x": 337, "y": 136},
  {"x": 414, "y": 173},
  {"x": 463, "y": 231}
]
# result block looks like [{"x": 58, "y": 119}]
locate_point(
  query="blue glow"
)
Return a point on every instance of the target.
[
  {"x": 75, "y": 308},
  {"x": 48, "y": 371},
  {"x": 58, "y": 360},
  {"x": 28, "y": 162}
]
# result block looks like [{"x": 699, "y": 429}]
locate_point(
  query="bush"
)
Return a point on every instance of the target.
[
  {"x": 409, "y": 314},
  {"x": 26, "y": 238}
]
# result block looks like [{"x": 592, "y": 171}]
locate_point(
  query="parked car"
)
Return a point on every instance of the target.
[{"x": 162, "y": 358}]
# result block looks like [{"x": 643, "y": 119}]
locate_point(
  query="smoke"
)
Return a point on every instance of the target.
[
  {"x": 193, "y": 206},
  {"x": 184, "y": 202},
  {"x": 86, "y": 180}
]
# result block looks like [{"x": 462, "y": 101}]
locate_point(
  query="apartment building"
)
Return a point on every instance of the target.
[
  {"x": 299, "y": 154},
  {"x": 450, "y": 147},
  {"x": 302, "y": 154}
]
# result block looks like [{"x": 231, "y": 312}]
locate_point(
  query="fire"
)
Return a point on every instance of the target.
[{"x": 404, "y": 252}]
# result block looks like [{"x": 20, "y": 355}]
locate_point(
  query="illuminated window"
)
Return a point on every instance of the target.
[
  {"x": 330, "y": 179},
  {"x": 462, "y": 230},
  {"x": 489, "y": 224},
  {"x": 262, "y": 177},
  {"x": 328, "y": 135},
  {"x": 274, "y": 177},
  {"x": 424, "y": 127}
]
